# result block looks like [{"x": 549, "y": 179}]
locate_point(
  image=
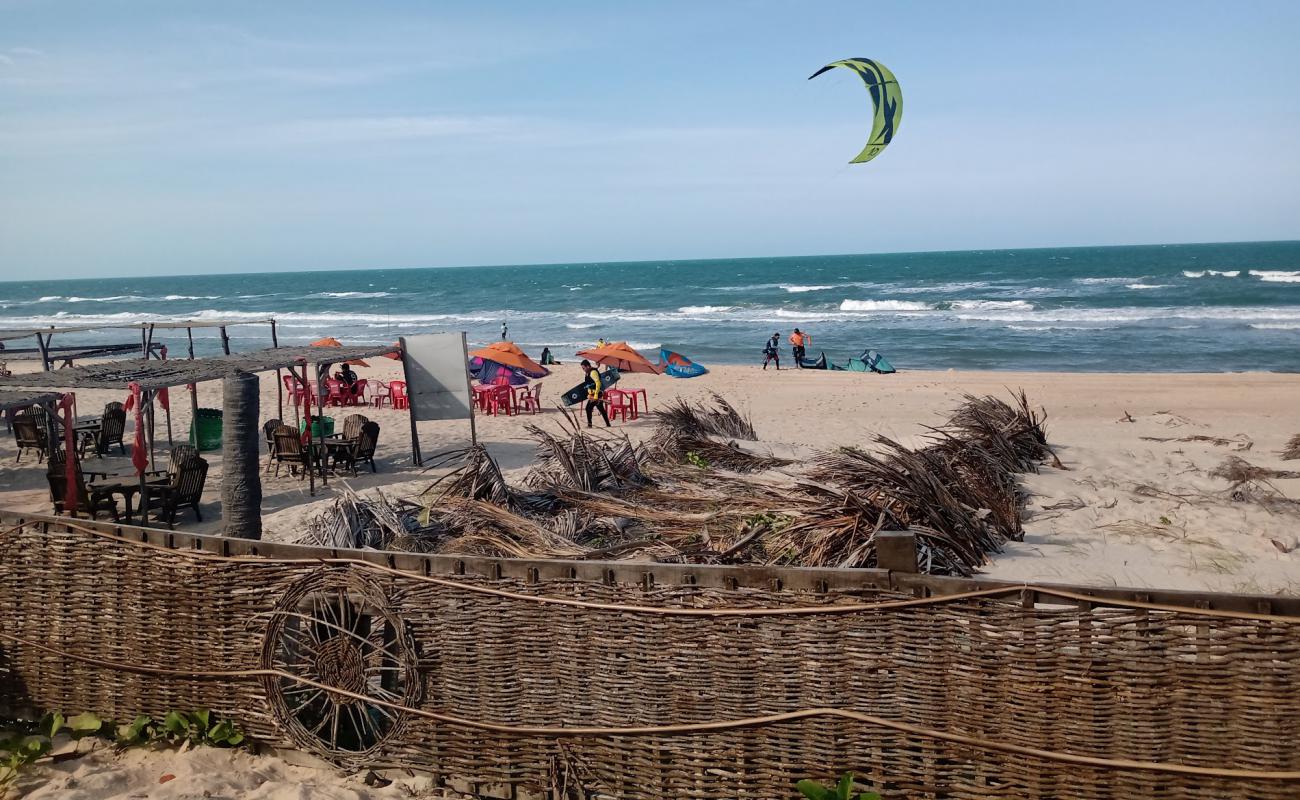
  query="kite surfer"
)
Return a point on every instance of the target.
[
  {"x": 797, "y": 342},
  {"x": 595, "y": 392},
  {"x": 772, "y": 352}
]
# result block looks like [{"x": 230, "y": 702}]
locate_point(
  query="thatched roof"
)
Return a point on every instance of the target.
[
  {"x": 155, "y": 374},
  {"x": 18, "y": 398}
]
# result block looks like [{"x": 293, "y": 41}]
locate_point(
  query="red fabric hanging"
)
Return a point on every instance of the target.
[
  {"x": 164, "y": 400},
  {"x": 68, "y": 404},
  {"x": 130, "y": 402},
  {"x": 139, "y": 457}
]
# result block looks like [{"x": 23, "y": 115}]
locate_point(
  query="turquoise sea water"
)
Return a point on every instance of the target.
[{"x": 1205, "y": 307}]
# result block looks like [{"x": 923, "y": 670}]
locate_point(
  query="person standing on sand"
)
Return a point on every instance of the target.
[
  {"x": 772, "y": 351},
  {"x": 595, "y": 392},
  {"x": 797, "y": 347}
]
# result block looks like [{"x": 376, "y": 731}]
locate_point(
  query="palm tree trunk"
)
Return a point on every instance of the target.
[{"x": 241, "y": 483}]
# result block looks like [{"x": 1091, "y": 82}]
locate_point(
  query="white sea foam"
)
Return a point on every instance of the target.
[
  {"x": 1276, "y": 276},
  {"x": 350, "y": 295},
  {"x": 883, "y": 305},
  {"x": 50, "y": 298},
  {"x": 1280, "y": 326},
  {"x": 704, "y": 309},
  {"x": 191, "y": 297},
  {"x": 1229, "y": 273},
  {"x": 801, "y": 289},
  {"x": 117, "y": 298},
  {"x": 991, "y": 305},
  {"x": 579, "y": 326},
  {"x": 1134, "y": 314},
  {"x": 1103, "y": 281},
  {"x": 1147, "y": 286}
]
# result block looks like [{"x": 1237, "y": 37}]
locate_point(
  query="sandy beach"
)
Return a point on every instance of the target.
[{"x": 1136, "y": 504}]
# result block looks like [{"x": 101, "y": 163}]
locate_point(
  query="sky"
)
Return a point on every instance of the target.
[{"x": 177, "y": 137}]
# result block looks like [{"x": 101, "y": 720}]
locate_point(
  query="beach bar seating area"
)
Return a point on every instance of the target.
[{"x": 30, "y": 402}]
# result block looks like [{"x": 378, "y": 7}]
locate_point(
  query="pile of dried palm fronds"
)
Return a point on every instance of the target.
[
  {"x": 1292, "y": 450},
  {"x": 692, "y": 493}
]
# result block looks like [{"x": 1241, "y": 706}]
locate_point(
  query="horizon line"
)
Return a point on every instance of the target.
[{"x": 334, "y": 270}]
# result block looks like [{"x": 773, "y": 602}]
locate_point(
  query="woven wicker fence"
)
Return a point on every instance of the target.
[{"x": 576, "y": 688}]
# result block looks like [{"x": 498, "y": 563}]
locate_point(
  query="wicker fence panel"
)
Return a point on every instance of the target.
[{"x": 970, "y": 697}]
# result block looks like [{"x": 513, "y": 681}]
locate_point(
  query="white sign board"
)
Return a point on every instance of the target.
[{"x": 437, "y": 375}]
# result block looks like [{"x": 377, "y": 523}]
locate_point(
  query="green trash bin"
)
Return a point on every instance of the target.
[
  {"x": 316, "y": 423},
  {"x": 205, "y": 429}
]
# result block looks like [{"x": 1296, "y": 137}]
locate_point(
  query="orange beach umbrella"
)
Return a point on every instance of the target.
[
  {"x": 330, "y": 341},
  {"x": 508, "y": 355},
  {"x": 622, "y": 357}
]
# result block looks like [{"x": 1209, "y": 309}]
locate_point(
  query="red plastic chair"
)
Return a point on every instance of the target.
[
  {"x": 620, "y": 404},
  {"x": 335, "y": 395},
  {"x": 529, "y": 400},
  {"x": 380, "y": 395},
  {"x": 397, "y": 394},
  {"x": 358, "y": 395},
  {"x": 503, "y": 398}
]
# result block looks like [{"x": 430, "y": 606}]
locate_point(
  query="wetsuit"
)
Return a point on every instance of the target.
[
  {"x": 772, "y": 353},
  {"x": 595, "y": 400}
]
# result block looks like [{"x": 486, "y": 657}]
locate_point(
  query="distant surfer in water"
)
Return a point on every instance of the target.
[
  {"x": 772, "y": 351},
  {"x": 797, "y": 341},
  {"x": 595, "y": 392},
  {"x": 505, "y": 332}
]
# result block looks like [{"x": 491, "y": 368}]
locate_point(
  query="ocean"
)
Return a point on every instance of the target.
[{"x": 1179, "y": 308}]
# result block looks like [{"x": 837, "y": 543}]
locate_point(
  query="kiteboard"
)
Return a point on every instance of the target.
[
  {"x": 679, "y": 366},
  {"x": 579, "y": 393}
]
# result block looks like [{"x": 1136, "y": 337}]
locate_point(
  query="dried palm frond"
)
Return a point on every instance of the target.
[
  {"x": 585, "y": 460},
  {"x": 1238, "y": 471},
  {"x": 1292, "y": 449},
  {"x": 721, "y": 420}
]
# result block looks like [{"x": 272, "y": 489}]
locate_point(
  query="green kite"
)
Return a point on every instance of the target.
[{"x": 886, "y": 95}]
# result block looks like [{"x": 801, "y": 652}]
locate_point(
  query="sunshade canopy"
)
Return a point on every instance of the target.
[
  {"x": 509, "y": 355},
  {"x": 622, "y": 357},
  {"x": 330, "y": 341}
]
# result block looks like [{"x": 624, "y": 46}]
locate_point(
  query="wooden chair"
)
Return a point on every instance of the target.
[
  {"x": 268, "y": 436},
  {"x": 289, "y": 450},
  {"x": 112, "y": 427},
  {"x": 352, "y": 426},
  {"x": 187, "y": 474},
  {"x": 30, "y": 434},
  {"x": 91, "y": 499},
  {"x": 360, "y": 449}
]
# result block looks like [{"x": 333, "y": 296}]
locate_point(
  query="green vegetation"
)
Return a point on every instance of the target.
[
  {"x": 842, "y": 791},
  {"x": 26, "y": 742}
]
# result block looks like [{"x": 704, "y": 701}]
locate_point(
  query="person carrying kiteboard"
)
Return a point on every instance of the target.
[
  {"x": 797, "y": 342},
  {"x": 595, "y": 392},
  {"x": 772, "y": 351}
]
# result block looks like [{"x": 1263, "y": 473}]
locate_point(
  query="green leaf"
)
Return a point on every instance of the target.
[
  {"x": 84, "y": 724},
  {"x": 176, "y": 723},
  {"x": 235, "y": 739},
  {"x": 813, "y": 790},
  {"x": 869, "y": 796},
  {"x": 201, "y": 717},
  {"x": 844, "y": 787},
  {"x": 50, "y": 724},
  {"x": 33, "y": 747}
]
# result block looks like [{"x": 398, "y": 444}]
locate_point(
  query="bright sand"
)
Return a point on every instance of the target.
[{"x": 1126, "y": 511}]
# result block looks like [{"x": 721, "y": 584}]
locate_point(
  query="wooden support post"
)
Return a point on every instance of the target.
[
  {"x": 193, "y": 390},
  {"x": 322, "y": 370},
  {"x": 43, "y": 346},
  {"x": 306, "y": 393},
  {"x": 225, "y": 340},
  {"x": 148, "y": 344},
  {"x": 144, "y": 342},
  {"x": 275, "y": 340},
  {"x": 896, "y": 551},
  {"x": 189, "y": 335},
  {"x": 241, "y": 478}
]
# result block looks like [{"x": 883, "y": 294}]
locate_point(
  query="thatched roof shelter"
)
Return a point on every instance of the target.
[
  {"x": 14, "y": 399},
  {"x": 152, "y": 374}
]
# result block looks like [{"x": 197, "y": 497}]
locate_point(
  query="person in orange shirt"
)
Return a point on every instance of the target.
[{"x": 797, "y": 341}]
